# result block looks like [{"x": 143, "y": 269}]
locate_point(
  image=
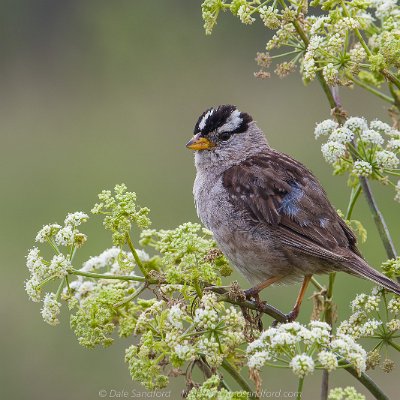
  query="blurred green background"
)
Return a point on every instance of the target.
[{"x": 95, "y": 93}]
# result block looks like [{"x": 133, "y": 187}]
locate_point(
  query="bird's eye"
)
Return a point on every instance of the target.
[{"x": 224, "y": 136}]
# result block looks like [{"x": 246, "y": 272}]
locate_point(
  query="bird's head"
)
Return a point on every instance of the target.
[
  {"x": 223, "y": 136},
  {"x": 216, "y": 127}
]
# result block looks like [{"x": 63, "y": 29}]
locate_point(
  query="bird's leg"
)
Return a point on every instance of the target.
[
  {"x": 253, "y": 293},
  {"x": 296, "y": 309}
]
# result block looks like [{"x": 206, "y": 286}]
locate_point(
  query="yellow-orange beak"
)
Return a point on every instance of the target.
[{"x": 198, "y": 142}]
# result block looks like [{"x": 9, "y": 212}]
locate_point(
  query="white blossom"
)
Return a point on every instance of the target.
[
  {"x": 372, "y": 303},
  {"x": 358, "y": 303},
  {"x": 356, "y": 124},
  {"x": 393, "y": 325},
  {"x": 75, "y": 219},
  {"x": 59, "y": 266},
  {"x": 381, "y": 127},
  {"x": 32, "y": 288},
  {"x": 369, "y": 328},
  {"x": 341, "y": 135},
  {"x": 333, "y": 151},
  {"x": 47, "y": 232},
  {"x": 51, "y": 309},
  {"x": 351, "y": 351},
  {"x": 258, "y": 359},
  {"x": 394, "y": 144},
  {"x": 362, "y": 168},
  {"x": 394, "y": 305},
  {"x": 65, "y": 236},
  {"x": 328, "y": 360},
  {"x": 105, "y": 259},
  {"x": 184, "y": 351},
  {"x": 387, "y": 159},
  {"x": 36, "y": 264},
  {"x": 325, "y": 128},
  {"x": 371, "y": 136},
  {"x": 206, "y": 318},
  {"x": 309, "y": 67},
  {"x": 244, "y": 14},
  {"x": 347, "y": 393},
  {"x": 174, "y": 316},
  {"x": 302, "y": 365}
]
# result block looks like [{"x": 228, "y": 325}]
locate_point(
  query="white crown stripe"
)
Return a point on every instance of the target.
[
  {"x": 203, "y": 122},
  {"x": 232, "y": 123}
]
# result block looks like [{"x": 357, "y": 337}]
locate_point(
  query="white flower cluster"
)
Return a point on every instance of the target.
[
  {"x": 347, "y": 393},
  {"x": 244, "y": 13},
  {"x": 309, "y": 348},
  {"x": 362, "y": 168},
  {"x": 146, "y": 316},
  {"x": 351, "y": 351},
  {"x": 51, "y": 309},
  {"x": 68, "y": 235},
  {"x": 302, "y": 365},
  {"x": 366, "y": 141},
  {"x": 41, "y": 271},
  {"x": 333, "y": 151}
]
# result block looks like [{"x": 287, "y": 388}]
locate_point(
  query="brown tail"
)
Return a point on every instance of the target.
[{"x": 360, "y": 267}]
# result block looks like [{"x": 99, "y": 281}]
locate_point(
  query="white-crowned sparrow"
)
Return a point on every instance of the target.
[{"x": 268, "y": 212}]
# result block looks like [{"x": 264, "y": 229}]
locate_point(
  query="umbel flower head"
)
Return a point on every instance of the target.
[
  {"x": 305, "y": 348},
  {"x": 365, "y": 150}
]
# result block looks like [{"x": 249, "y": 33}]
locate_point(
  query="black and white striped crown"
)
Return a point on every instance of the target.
[{"x": 225, "y": 118}]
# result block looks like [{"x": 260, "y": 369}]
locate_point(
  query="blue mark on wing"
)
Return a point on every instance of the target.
[{"x": 289, "y": 205}]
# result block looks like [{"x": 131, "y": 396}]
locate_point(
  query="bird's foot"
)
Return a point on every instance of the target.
[
  {"x": 290, "y": 317},
  {"x": 252, "y": 294}
]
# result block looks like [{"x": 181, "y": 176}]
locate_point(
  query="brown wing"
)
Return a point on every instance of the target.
[{"x": 277, "y": 190}]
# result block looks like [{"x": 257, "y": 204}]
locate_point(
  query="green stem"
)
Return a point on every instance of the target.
[
  {"x": 371, "y": 89},
  {"x": 379, "y": 220},
  {"x": 317, "y": 284},
  {"x": 135, "y": 255},
  {"x": 60, "y": 288},
  {"x": 365, "y": 380},
  {"x": 103, "y": 276},
  {"x": 228, "y": 367},
  {"x": 132, "y": 296},
  {"x": 394, "y": 345},
  {"x": 300, "y": 388},
  {"x": 355, "y": 193},
  {"x": 198, "y": 288}
]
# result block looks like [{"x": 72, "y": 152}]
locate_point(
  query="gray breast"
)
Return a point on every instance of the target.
[{"x": 249, "y": 248}]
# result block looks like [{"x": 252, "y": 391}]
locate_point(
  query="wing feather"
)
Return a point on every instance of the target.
[{"x": 277, "y": 190}]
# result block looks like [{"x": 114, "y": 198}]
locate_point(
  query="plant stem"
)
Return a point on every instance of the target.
[
  {"x": 300, "y": 388},
  {"x": 135, "y": 255},
  {"x": 324, "y": 384},
  {"x": 353, "y": 199},
  {"x": 103, "y": 276},
  {"x": 365, "y": 380},
  {"x": 394, "y": 345},
  {"x": 198, "y": 288},
  {"x": 133, "y": 296},
  {"x": 372, "y": 90},
  {"x": 317, "y": 284},
  {"x": 262, "y": 307},
  {"x": 379, "y": 220},
  {"x": 228, "y": 367},
  {"x": 328, "y": 319}
]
